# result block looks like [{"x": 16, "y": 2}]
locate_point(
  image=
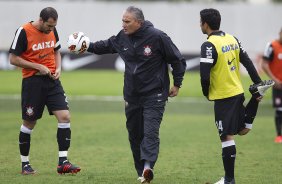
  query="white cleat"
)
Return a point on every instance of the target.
[
  {"x": 222, "y": 181},
  {"x": 142, "y": 179},
  {"x": 258, "y": 90}
]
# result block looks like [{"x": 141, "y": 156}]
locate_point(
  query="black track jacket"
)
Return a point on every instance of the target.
[{"x": 146, "y": 54}]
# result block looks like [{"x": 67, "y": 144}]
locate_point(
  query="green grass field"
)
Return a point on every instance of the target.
[{"x": 190, "y": 151}]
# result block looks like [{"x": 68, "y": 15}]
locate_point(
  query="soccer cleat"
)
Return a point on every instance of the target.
[
  {"x": 148, "y": 175},
  {"x": 258, "y": 90},
  {"x": 278, "y": 139},
  {"x": 27, "y": 170},
  {"x": 222, "y": 181},
  {"x": 67, "y": 167},
  {"x": 141, "y": 179}
]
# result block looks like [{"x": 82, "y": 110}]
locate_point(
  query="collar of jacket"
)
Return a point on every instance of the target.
[
  {"x": 140, "y": 31},
  {"x": 218, "y": 33}
]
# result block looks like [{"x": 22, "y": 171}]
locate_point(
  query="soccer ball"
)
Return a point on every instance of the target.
[{"x": 78, "y": 43}]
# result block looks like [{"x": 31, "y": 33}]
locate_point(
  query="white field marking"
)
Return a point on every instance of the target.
[{"x": 200, "y": 100}]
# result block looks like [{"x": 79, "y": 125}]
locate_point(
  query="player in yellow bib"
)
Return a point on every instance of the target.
[
  {"x": 221, "y": 56},
  {"x": 226, "y": 71}
]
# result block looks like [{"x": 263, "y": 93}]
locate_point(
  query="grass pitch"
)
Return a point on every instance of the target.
[{"x": 190, "y": 150}]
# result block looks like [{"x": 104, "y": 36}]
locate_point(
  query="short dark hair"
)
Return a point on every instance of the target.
[
  {"x": 137, "y": 13},
  {"x": 211, "y": 17},
  {"x": 47, "y": 13}
]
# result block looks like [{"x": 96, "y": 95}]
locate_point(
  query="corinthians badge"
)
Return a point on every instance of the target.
[
  {"x": 147, "y": 50},
  {"x": 29, "y": 111}
]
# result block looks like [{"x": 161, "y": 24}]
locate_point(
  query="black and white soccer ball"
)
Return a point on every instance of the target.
[{"x": 78, "y": 43}]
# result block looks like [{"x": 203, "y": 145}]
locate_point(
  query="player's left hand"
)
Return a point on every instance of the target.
[
  {"x": 173, "y": 91},
  {"x": 57, "y": 74},
  {"x": 259, "y": 98}
]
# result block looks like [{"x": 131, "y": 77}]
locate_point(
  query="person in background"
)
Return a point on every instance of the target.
[{"x": 272, "y": 65}]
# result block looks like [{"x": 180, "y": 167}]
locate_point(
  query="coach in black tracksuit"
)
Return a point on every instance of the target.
[{"x": 146, "y": 52}]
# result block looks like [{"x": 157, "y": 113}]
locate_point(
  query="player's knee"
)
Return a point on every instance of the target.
[
  {"x": 224, "y": 137},
  {"x": 29, "y": 124},
  {"x": 65, "y": 117}
]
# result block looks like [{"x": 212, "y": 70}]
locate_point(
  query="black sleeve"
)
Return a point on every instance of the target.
[
  {"x": 208, "y": 60},
  {"x": 268, "y": 52},
  {"x": 57, "y": 45},
  {"x": 102, "y": 47},
  {"x": 19, "y": 44},
  {"x": 173, "y": 57},
  {"x": 248, "y": 64}
]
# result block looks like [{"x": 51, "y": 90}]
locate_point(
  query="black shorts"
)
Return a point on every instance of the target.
[
  {"x": 229, "y": 115},
  {"x": 276, "y": 97},
  {"x": 38, "y": 91}
]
